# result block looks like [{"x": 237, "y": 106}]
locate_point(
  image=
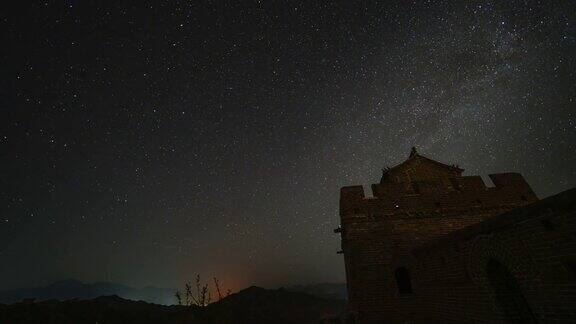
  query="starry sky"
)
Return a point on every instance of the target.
[{"x": 142, "y": 142}]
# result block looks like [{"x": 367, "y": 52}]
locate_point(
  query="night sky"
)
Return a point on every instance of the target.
[{"x": 144, "y": 142}]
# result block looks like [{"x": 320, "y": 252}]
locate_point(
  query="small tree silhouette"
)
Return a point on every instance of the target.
[
  {"x": 217, "y": 285},
  {"x": 202, "y": 297}
]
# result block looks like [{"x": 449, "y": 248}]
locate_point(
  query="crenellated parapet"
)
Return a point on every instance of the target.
[{"x": 510, "y": 190}]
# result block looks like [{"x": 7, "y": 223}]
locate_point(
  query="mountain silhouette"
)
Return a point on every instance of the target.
[
  {"x": 251, "y": 305},
  {"x": 323, "y": 290},
  {"x": 74, "y": 289}
]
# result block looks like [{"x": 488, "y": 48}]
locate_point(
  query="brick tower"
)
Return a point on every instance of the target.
[{"x": 415, "y": 202}]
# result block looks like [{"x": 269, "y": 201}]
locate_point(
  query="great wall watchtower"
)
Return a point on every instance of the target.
[{"x": 415, "y": 202}]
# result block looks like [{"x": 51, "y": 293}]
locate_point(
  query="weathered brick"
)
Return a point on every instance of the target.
[{"x": 445, "y": 228}]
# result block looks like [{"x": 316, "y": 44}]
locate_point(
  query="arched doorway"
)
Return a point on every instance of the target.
[
  {"x": 508, "y": 295},
  {"x": 403, "y": 281}
]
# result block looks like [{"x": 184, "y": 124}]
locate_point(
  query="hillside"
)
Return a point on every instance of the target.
[
  {"x": 323, "y": 290},
  {"x": 251, "y": 305},
  {"x": 74, "y": 289}
]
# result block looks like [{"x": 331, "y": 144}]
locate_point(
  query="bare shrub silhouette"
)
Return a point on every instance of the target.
[{"x": 201, "y": 295}]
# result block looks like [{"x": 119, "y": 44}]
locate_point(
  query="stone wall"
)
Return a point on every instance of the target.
[
  {"x": 535, "y": 250},
  {"x": 415, "y": 203}
]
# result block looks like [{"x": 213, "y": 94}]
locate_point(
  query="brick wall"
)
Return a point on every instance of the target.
[
  {"x": 417, "y": 202},
  {"x": 535, "y": 244}
]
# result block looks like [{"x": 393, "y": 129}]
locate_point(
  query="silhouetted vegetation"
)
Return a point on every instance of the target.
[{"x": 199, "y": 295}]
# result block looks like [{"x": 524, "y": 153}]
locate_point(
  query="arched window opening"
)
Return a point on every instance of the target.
[
  {"x": 548, "y": 225},
  {"x": 508, "y": 295},
  {"x": 403, "y": 281},
  {"x": 570, "y": 265}
]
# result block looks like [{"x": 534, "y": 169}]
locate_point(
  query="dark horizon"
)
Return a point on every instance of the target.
[
  {"x": 180, "y": 285},
  {"x": 143, "y": 144}
]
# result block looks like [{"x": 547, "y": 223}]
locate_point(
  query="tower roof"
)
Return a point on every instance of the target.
[{"x": 416, "y": 160}]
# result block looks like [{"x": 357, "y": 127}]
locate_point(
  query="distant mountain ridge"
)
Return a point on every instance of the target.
[
  {"x": 252, "y": 305},
  {"x": 323, "y": 290},
  {"x": 74, "y": 289}
]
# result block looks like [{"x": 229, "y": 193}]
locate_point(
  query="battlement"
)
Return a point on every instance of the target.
[
  {"x": 422, "y": 184},
  {"x": 502, "y": 181},
  {"x": 510, "y": 188}
]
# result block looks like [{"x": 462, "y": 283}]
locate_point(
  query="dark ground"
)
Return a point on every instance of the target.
[{"x": 251, "y": 305}]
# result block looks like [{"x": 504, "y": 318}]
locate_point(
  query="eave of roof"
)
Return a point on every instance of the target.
[{"x": 416, "y": 156}]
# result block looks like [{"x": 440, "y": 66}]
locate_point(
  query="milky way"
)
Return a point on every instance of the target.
[{"x": 143, "y": 143}]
